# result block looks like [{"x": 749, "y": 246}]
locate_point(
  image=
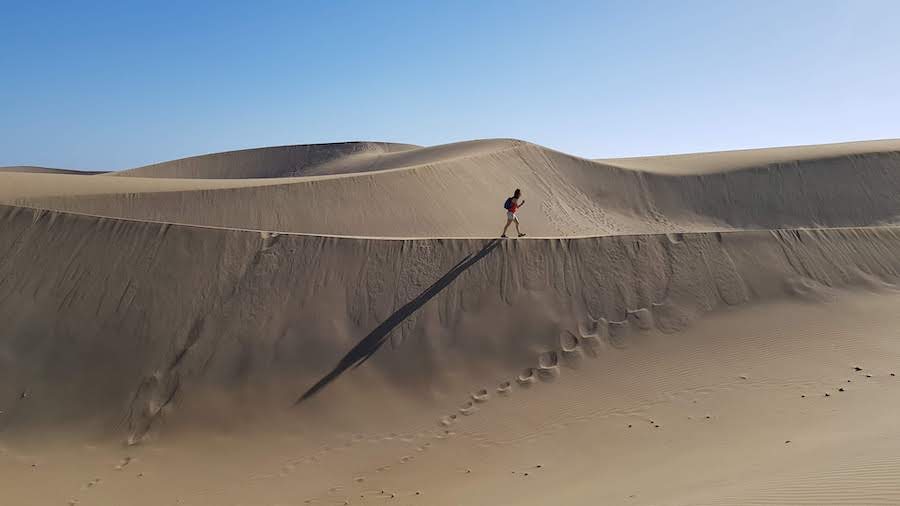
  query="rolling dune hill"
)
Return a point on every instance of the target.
[
  {"x": 31, "y": 169},
  {"x": 456, "y": 190}
]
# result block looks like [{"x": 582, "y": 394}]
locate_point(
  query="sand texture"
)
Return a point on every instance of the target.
[{"x": 339, "y": 324}]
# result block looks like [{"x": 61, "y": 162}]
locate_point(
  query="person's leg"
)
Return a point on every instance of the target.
[
  {"x": 508, "y": 221},
  {"x": 516, "y": 219}
]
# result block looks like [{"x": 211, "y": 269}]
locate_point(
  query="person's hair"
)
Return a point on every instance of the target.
[{"x": 517, "y": 193}]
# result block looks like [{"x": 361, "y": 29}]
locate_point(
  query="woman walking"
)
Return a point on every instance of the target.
[{"x": 512, "y": 205}]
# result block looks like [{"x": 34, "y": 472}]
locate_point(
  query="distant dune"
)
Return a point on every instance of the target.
[
  {"x": 281, "y": 161},
  {"x": 376, "y": 190},
  {"x": 29, "y": 169},
  {"x": 724, "y": 161},
  {"x": 339, "y": 324}
]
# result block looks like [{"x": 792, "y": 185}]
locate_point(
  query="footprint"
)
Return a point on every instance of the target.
[
  {"x": 468, "y": 408},
  {"x": 571, "y": 349},
  {"x": 548, "y": 359},
  {"x": 642, "y": 318},
  {"x": 123, "y": 463},
  {"x": 548, "y": 366},
  {"x": 526, "y": 378},
  {"x": 504, "y": 388},
  {"x": 675, "y": 238},
  {"x": 568, "y": 342},
  {"x": 448, "y": 420},
  {"x": 480, "y": 396},
  {"x": 548, "y": 374},
  {"x": 593, "y": 333},
  {"x": 592, "y": 328}
]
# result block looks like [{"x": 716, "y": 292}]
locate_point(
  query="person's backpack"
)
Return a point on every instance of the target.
[{"x": 507, "y": 204}]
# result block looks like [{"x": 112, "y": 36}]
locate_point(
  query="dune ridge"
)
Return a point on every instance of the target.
[
  {"x": 279, "y": 161},
  {"x": 455, "y": 194},
  {"x": 31, "y": 169}
]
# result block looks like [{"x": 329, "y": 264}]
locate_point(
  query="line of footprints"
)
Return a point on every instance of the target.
[
  {"x": 593, "y": 337},
  {"x": 842, "y": 389}
]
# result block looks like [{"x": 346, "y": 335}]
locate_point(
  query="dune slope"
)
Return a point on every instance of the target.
[
  {"x": 31, "y": 169},
  {"x": 458, "y": 191},
  {"x": 277, "y": 161},
  {"x": 681, "y": 338}
]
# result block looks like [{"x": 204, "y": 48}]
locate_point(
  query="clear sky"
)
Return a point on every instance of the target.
[{"x": 109, "y": 85}]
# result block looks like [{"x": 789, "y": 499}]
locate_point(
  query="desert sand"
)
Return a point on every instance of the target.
[{"x": 339, "y": 324}]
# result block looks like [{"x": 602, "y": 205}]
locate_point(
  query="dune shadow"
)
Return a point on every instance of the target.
[{"x": 372, "y": 342}]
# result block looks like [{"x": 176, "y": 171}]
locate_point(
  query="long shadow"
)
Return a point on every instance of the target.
[{"x": 370, "y": 344}]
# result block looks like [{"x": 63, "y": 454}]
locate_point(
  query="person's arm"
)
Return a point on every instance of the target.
[{"x": 522, "y": 203}]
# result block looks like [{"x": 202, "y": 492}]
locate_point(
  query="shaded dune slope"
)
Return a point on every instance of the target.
[
  {"x": 154, "y": 325},
  {"x": 722, "y": 161},
  {"x": 279, "y": 161},
  {"x": 457, "y": 191},
  {"x": 31, "y": 169}
]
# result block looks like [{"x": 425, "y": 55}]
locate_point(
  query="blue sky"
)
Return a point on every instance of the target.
[{"x": 109, "y": 85}]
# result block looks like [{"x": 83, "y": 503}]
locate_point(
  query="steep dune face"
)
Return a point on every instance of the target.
[
  {"x": 144, "y": 314},
  {"x": 457, "y": 191},
  {"x": 847, "y": 191},
  {"x": 477, "y": 362}
]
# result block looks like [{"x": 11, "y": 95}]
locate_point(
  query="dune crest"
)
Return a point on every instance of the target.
[{"x": 377, "y": 190}]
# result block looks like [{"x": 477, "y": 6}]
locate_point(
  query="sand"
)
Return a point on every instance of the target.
[{"x": 338, "y": 324}]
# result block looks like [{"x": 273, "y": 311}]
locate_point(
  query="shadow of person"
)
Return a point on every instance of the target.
[{"x": 372, "y": 342}]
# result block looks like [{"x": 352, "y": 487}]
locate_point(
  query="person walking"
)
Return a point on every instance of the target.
[{"x": 512, "y": 205}]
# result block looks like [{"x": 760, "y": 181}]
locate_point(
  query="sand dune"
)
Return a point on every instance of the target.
[
  {"x": 30, "y": 169},
  {"x": 263, "y": 162},
  {"x": 452, "y": 191},
  {"x": 721, "y": 337},
  {"x": 723, "y": 161}
]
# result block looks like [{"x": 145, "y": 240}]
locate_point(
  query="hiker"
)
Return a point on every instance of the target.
[{"x": 512, "y": 205}]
